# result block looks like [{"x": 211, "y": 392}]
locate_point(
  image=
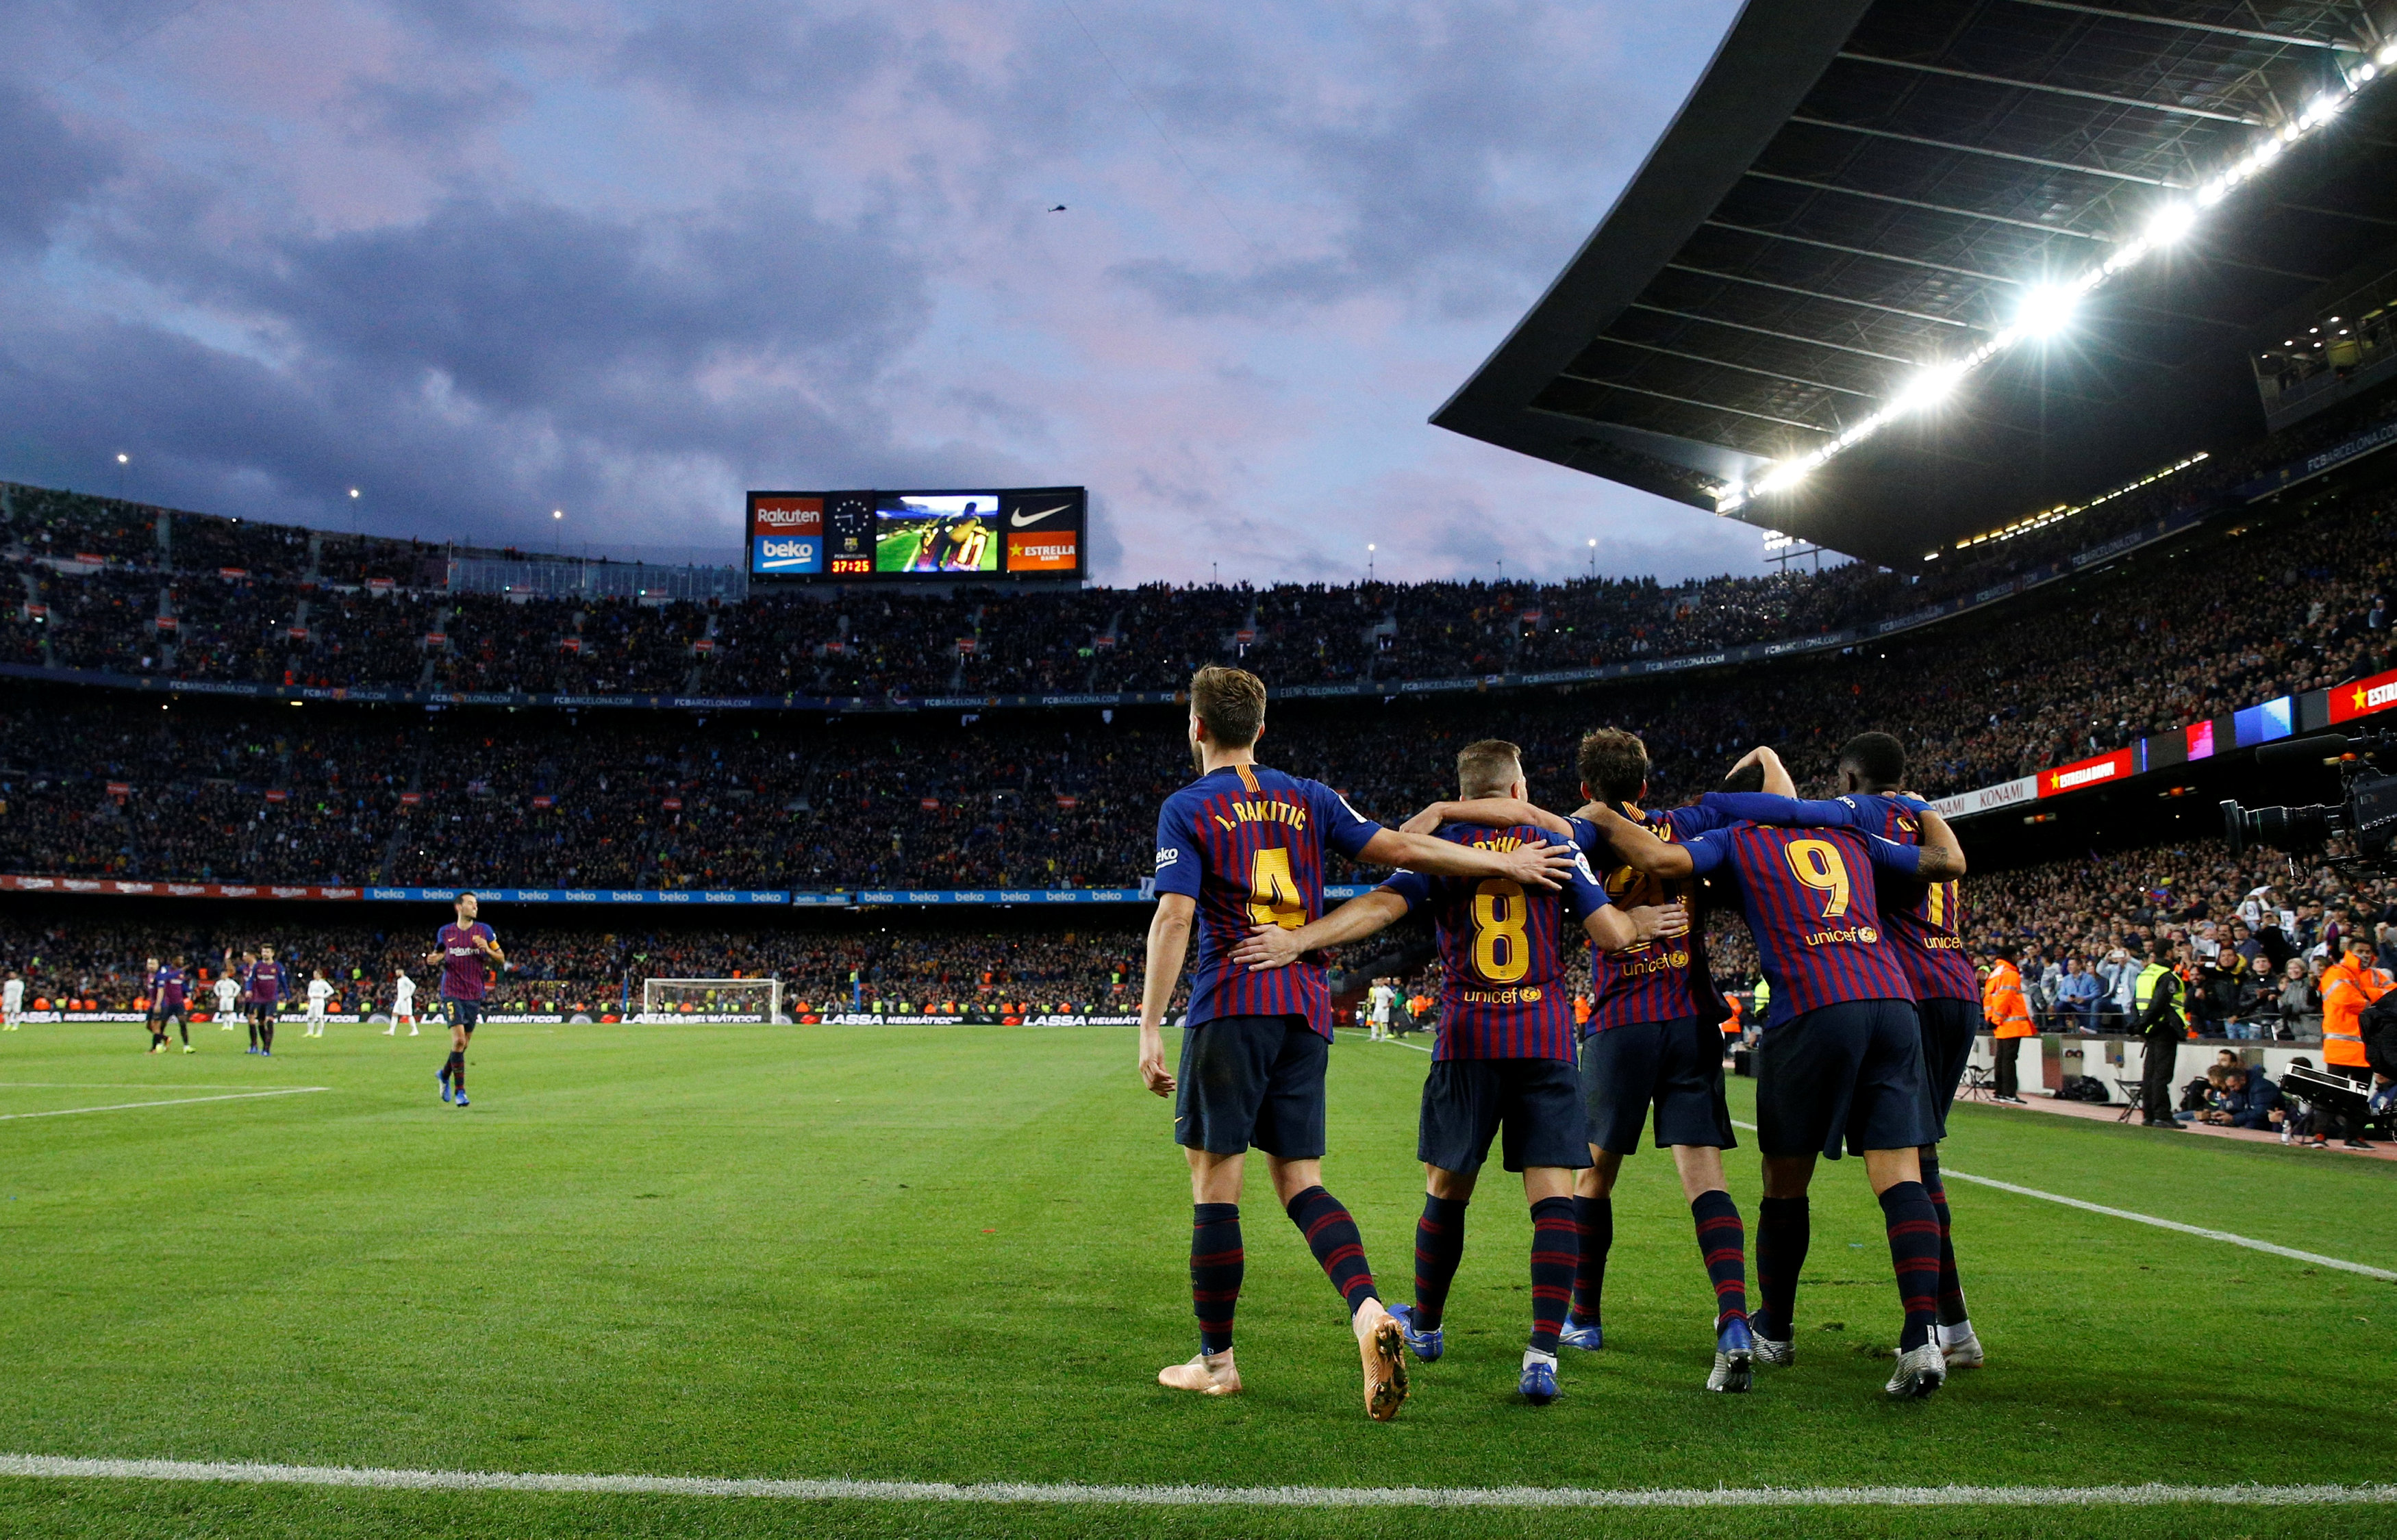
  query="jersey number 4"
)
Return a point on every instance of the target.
[
  {"x": 1818, "y": 864},
  {"x": 1501, "y": 953},
  {"x": 1273, "y": 891}
]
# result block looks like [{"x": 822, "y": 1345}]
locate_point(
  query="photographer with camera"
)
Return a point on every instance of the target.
[{"x": 2157, "y": 1017}]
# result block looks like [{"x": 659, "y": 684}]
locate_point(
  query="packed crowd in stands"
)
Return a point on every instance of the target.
[
  {"x": 213, "y": 788},
  {"x": 126, "y": 588}
]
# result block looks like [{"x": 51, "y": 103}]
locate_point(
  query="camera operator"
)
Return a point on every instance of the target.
[
  {"x": 2156, "y": 1003},
  {"x": 2348, "y": 986}
]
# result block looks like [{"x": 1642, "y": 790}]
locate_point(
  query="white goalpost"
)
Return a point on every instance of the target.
[{"x": 711, "y": 1000}]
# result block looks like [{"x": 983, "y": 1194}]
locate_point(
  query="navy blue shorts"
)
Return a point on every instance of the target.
[
  {"x": 1251, "y": 1080},
  {"x": 1674, "y": 1066},
  {"x": 464, "y": 1013},
  {"x": 1848, "y": 1074},
  {"x": 1947, "y": 1030},
  {"x": 1533, "y": 1101}
]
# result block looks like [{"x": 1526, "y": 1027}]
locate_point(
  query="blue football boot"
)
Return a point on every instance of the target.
[
  {"x": 1734, "y": 1357},
  {"x": 1425, "y": 1345},
  {"x": 1539, "y": 1382},
  {"x": 1588, "y": 1336}
]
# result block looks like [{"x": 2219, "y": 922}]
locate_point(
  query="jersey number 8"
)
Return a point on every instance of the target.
[
  {"x": 1817, "y": 863},
  {"x": 1501, "y": 953}
]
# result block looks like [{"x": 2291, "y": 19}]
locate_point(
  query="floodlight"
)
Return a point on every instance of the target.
[
  {"x": 2170, "y": 222},
  {"x": 2045, "y": 311},
  {"x": 1929, "y": 386}
]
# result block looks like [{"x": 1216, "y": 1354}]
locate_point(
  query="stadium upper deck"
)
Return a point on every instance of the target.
[{"x": 1857, "y": 248}]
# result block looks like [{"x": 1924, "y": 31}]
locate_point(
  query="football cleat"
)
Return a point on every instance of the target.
[
  {"x": 189, "y": 1049},
  {"x": 444, "y": 1088},
  {"x": 1539, "y": 1382},
  {"x": 1424, "y": 1344},
  {"x": 1772, "y": 1354},
  {"x": 1587, "y": 1335},
  {"x": 1919, "y": 1372},
  {"x": 1962, "y": 1351},
  {"x": 460, "y": 1099},
  {"x": 1209, "y": 1373},
  {"x": 1382, "y": 1347},
  {"x": 1735, "y": 1353}
]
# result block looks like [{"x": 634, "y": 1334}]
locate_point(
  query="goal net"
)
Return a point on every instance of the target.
[{"x": 711, "y": 1000}]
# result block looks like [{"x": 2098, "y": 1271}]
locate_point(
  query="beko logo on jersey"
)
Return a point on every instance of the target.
[
  {"x": 1022, "y": 520},
  {"x": 1166, "y": 856}
]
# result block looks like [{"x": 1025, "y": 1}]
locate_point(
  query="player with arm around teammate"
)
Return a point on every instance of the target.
[
  {"x": 1503, "y": 1053},
  {"x": 466, "y": 951},
  {"x": 1924, "y": 919},
  {"x": 1839, "y": 1064},
  {"x": 1650, "y": 1049},
  {"x": 1239, "y": 846}
]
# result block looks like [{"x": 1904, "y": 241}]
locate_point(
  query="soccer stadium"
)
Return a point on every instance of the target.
[{"x": 777, "y": 1001}]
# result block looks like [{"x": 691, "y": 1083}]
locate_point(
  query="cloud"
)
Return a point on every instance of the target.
[
  {"x": 488, "y": 260},
  {"x": 45, "y": 169}
]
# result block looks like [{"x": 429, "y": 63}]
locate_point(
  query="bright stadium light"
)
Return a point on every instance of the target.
[
  {"x": 2047, "y": 307},
  {"x": 2046, "y": 310},
  {"x": 2170, "y": 222}
]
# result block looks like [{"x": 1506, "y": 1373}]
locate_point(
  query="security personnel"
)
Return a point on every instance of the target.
[
  {"x": 2156, "y": 1015},
  {"x": 2008, "y": 1013},
  {"x": 2347, "y": 987}
]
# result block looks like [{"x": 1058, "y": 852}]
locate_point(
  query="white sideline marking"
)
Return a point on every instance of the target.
[
  {"x": 1397, "y": 1042},
  {"x": 2225, "y": 1236},
  {"x": 177, "y": 1101},
  {"x": 2149, "y": 1496}
]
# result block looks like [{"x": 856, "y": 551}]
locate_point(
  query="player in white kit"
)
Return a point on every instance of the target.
[
  {"x": 228, "y": 1001},
  {"x": 318, "y": 993},
  {"x": 12, "y": 1002},
  {"x": 403, "y": 1004},
  {"x": 1378, "y": 1003}
]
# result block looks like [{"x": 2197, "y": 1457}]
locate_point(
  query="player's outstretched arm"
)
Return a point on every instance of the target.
[
  {"x": 1533, "y": 865},
  {"x": 1275, "y": 946},
  {"x": 1943, "y": 855},
  {"x": 1638, "y": 848},
  {"x": 1168, "y": 943},
  {"x": 1494, "y": 812},
  {"x": 1788, "y": 812}
]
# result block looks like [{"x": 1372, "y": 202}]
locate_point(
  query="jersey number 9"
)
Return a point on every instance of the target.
[
  {"x": 1817, "y": 863},
  {"x": 1501, "y": 953}
]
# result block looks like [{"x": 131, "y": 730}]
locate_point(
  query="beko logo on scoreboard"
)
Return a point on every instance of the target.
[{"x": 775, "y": 554}]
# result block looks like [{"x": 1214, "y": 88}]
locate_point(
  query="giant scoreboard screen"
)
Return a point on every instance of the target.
[{"x": 900, "y": 536}]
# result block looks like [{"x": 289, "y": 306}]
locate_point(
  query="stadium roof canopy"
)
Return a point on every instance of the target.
[{"x": 1858, "y": 188}]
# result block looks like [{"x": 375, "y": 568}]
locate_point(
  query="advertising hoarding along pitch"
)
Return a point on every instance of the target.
[{"x": 904, "y": 536}]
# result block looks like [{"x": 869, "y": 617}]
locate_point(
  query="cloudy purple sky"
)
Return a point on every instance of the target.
[{"x": 485, "y": 260}]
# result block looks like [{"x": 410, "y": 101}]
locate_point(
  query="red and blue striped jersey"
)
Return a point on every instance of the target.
[
  {"x": 264, "y": 983},
  {"x": 1812, "y": 908},
  {"x": 1502, "y": 951},
  {"x": 1922, "y": 916},
  {"x": 1656, "y": 981},
  {"x": 464, "y": 973},
  {"x": 167, "y": 988},
  {"x": 1248, "y": 844}
]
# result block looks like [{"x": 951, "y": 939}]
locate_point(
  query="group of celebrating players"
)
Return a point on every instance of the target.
[{"x": 1853, "y": 902}]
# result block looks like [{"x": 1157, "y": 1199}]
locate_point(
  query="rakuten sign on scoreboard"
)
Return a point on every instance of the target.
[{"x": 898, "y": 536}]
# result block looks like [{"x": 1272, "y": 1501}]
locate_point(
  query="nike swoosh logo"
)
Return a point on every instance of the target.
[{"x": 1021, "y": 519}]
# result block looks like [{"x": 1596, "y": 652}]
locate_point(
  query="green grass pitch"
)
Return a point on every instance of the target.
[{"x": 960, "y": 1256}]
